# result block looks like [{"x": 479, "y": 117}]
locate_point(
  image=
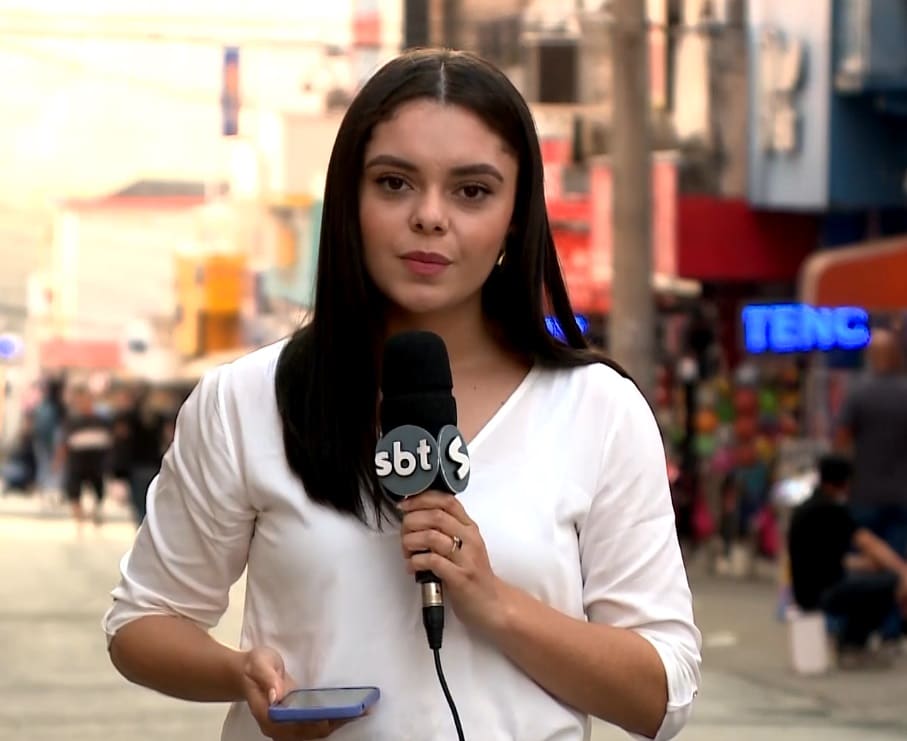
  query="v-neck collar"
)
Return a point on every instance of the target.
[{"x": 503, "y": 410}]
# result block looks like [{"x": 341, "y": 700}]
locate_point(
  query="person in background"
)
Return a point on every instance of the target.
[
  {"x": 48, "y": 422},
  {"x": 728, "y": 522},
  {"x": 19, "y": 470},
  {"x": 843, "y": 569},
  {"x": 873, "y": 430},
  {"x": 83, "y": 454},
  {"x": 743, "y": 497},
  {"x": 140, "y": 430}
]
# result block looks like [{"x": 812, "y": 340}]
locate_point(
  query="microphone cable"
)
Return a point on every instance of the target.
[
  {"x": 433, "y": 620},
  {"x": 447, "y": 695}
]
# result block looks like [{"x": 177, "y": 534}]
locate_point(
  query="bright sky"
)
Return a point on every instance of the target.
[
  {"x": 81, "y": 114},
  {"x": 280, "y": 10}
]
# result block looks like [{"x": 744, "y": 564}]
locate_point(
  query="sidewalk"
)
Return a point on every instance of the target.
[
  {"x": 731, "y": 708},
  {"x": 35, "y": 506},
  {"x": 749, "y": 692},
  {"x": 748, "y": 682}
]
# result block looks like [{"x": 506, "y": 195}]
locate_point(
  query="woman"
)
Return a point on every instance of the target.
[{"x": 569, "y": 595}]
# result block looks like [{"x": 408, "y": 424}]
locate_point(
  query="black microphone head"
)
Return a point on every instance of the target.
[{"x": 416, "y": 383}]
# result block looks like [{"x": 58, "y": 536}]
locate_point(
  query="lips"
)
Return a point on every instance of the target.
[
  {"x": 425, "y": 265},
  {"x": 430, "y": 258}
]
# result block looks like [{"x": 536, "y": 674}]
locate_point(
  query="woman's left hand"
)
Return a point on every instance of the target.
[{"x": 438, "y": 536}]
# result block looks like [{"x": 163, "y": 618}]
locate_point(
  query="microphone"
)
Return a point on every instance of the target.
[{"x": 421, "y": 447}]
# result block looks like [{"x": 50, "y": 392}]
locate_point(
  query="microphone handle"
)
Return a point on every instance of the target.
[
  {"x": 432, "y": 594},
  {"x": 428, "y": 577},
  {"x": 424, "y": 577},
  {"x": 432, "y": 608}
]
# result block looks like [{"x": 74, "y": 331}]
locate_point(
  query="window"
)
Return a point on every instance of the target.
[{"x": 557, "y": 70}]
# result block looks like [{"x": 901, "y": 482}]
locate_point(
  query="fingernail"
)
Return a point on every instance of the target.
[{"x": 272, "y": 696}]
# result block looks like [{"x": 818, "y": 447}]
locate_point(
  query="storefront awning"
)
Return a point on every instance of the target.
[
  {"x": 722, "y": 239},
  {"x": 872, "y": 275},
  {"x": 61, "y": 353}
]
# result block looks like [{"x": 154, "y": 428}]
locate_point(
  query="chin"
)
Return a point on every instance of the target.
[
  {"x": 422, "y": 308},
  {"x": 421, "y": 302}
]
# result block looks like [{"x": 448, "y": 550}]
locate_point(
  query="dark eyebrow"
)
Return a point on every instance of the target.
[
  {"x": 480, "y": 168},
  {"x": 390, "y": 161}
]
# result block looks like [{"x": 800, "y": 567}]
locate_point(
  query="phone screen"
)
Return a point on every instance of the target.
[{"x": 327, "y": 698}]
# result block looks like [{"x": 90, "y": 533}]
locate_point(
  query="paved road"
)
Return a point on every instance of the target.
[{"x": 57, "y": 684}]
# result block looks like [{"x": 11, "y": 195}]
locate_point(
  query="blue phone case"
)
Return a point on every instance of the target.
[{"x": 279, "y": 713}]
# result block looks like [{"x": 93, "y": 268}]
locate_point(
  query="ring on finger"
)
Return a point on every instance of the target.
[{"x": 456, "y": 544}]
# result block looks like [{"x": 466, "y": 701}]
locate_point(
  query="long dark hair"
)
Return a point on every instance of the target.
[{"x": 329, "y": 373}]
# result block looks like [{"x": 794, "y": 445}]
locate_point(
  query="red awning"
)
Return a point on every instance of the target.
[
  {"x": 872, "y": 275},
  {"x": 135, "y": 203},
  {"x": 726, "y": 240},
  {"x": 58, "y": 354}
]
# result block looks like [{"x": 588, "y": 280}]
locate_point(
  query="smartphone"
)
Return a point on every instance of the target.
[{"x": 332, "y": 703}]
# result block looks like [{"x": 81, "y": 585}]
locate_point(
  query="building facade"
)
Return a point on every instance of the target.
[{"x": 828, "y": 135}]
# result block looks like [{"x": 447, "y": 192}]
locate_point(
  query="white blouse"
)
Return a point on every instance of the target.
[{"x": 569, "y": 490}]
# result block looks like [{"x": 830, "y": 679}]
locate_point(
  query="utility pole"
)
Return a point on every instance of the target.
[{"x": 632, "y": 322}]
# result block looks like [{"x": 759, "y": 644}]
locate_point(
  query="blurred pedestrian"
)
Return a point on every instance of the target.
[
  {"x": 745, "y": 515},
  {"x": 122, "y": 403},
  {"x": 19, "y": 469},
  {"x": 560, "y": 562},
  {"x": 84, "y": 453},
  {"x": 48, "y": 422},
  {"x": 873, "y": 425},
  {"x": 841, "y": 568},
  {"x": 140, "y": 434}
]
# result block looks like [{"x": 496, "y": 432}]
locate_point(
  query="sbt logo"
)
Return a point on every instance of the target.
[
  {"x": 402, "y": 462},
  {"x": 408, "y": 460}
]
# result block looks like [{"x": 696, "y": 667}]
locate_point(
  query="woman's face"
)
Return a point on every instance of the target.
[{"x": 435, "y": 204}]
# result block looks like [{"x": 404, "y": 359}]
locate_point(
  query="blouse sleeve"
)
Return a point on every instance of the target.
[
  {"x": 633, "y": 573},
  {"x": 194, "y": 542}
]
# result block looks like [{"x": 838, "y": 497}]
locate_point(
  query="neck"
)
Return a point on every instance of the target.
[
  {"x": 466, "y": 331},
  {"x": 832, "y": 493}
]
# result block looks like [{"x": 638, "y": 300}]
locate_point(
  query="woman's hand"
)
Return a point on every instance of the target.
[
  {"x": 264, "y": 681},
  {"x": 438, "y": 536}
]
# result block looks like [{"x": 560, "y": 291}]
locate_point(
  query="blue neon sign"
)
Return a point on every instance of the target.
[
  {"x": 786, "y": 328},
  {"x": 554, "y": 326},
  {"x": 10, "y": 346}
]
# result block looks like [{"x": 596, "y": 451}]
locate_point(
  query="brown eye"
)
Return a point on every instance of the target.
[
  {"x": 392, "y": 183},
  {"x": 474, "y": 192}
]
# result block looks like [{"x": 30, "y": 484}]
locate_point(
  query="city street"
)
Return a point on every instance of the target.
[
  {"x": 491, "y": 198},
  {"x": 57, "y": 682}
]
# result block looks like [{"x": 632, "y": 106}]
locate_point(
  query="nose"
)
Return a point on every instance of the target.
[{"x": 429, "y": 214}]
